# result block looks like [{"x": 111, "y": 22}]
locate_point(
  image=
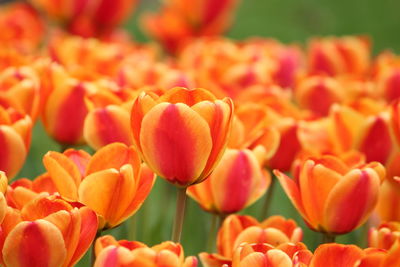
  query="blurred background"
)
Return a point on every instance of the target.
[{"x": 298, "y": 20}]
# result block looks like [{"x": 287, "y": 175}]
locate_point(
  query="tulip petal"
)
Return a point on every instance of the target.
[
  {"x": 34, "y": 244},
  {"x": 351, "y": 200},
  {"x": 176, "y": 142},
  {"x": 12, "y": 151},
  {"x": 336, "y": 255}
]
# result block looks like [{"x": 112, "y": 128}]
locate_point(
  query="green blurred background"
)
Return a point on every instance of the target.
[{"x": 288, "y": 21}]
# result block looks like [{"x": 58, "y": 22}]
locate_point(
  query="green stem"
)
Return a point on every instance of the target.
[
  {"x": 131, "y": 224},
  {"x": 268, "y": 199},
  {"x": 327, "y": 238},
  {"x": 212, "y": 234},
  {"x": 222, "y": 219},
  {"x": 179, "y": 215},
  {"x": 93, "y": 258}
]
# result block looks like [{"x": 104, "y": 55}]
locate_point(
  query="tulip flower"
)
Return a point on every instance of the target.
[
  {"x": 20, "y": 90},
  {"x": 238, "y": 174},
  {"x": 48, "y": 231},
  {"x": 235, "y": 230},
  {"x": 319, "y": 93},
  {"x": 111, "y": 253},
  {"x": 15, "y": 138},
  {"x": 264, "y": 255},
  {"x": 337, "y": 255},
  {"x": 89, "y": 19},
  {"x": 182, "y": 134},
  {"x": 22, "y": 27},
  {"x": 323, "y": 189},
  {"x": 64, "y": 110},
  {"x": 113, "y": 182},
  {"x": 384, "y": 236},
  {"x": 180, "y": 20},
  {"x": 335, "y": 56}
]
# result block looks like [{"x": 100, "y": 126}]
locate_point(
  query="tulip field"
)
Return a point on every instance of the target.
[{"x": 185, "y": 133}]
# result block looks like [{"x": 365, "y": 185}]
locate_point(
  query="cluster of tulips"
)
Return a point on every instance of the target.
[{"x": 221, "y": 120}]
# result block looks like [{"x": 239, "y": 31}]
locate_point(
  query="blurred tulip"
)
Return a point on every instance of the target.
[
  {"x": 319, "y": 93},
  {"x": 48, "y": 231},
  {"x": 335, "y": 56},
  {"x": 264, "y": 255},
  {"x": 236, "y": 229},
  {"x": 182, "y": 134},
  {"x": 238, "y": 174},
  {"x": 106, "y": 125},
  {"x": 111, "y": 253},
  {"x": 324, "y": 187},
  {"x": 64, "y": 110},
  {"x": 88, "y": 18},
  {"x": 113, "y": 182},
  {"x": 22, "y": 27},
  {"x": 384, "y": 236},
  {"x": 20, "y": 90},
  {"x": 15, "y": 138},
  {"x": 180, "y": 20}
]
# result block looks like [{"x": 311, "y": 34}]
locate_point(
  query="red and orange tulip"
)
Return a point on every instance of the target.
[
  {"x": 324, "y": 187},
  {"x": 335, "y": 56},
  {"x": 239, "y": 174},
  {"x": 384, "y": 236},
  {"x": 91, "y": 18},
  {"x": 236, "y": 229},
  {"x": 264, "y": 255},
  {"x": 48, "y": 231},
  {"x": 15, "y": 138},
  {"x": 182, "y": 134},
  {"x": 181, "y": 20},
  {"x": 22, "y": 27},
  {"x": 113, "y": 182},
  {"x": 112, "y": 253}
]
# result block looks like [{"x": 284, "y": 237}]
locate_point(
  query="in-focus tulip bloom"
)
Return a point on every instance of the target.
[
  {"x": 182, "y": 134},
  {"x": 111, "y": 253},
  {"x": 113, "y": 182},
  {"x": 181, "y": 20},
  {"x": 15, "y": 138},
  {"x": 335, "y": 56},
  {"x": 236, "y": 182},
  {"x": 48, "y": 231},
  {"x": 323, "y": 188},
  {"x": 21, "y": 26},
  {"x": 87, "y": 18},
  {"x": 235, "y": 230}
]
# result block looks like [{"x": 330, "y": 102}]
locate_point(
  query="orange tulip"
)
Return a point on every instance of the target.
[
  {"x": 319, "y": 93},
  {"x": 236, "y": 229},
  {"x": 64, "y": 110},
  {"x": 20, "y": 90},
  {"x": 335, "y": 56},
  {"x": 111, "y": 253},
  {"x": 113, "y": 182},
  {"x": 337, "y": 255},
  {"x": 22, "y": 27},
  {"x": 48, "y": 231},
  {"x": 238, "y": 174},
  {"x": 181, "y": 20},
  {"x": 324, "y": 187},
  {"x": 264, "y": 255},
  {"x": 384, "y": 236},
  {"x": 15, "y": 138},
  {"x": 182, "y": 134},
  {"x": 88, "y": 19}
]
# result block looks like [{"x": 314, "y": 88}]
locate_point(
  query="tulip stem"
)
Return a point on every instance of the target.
[
  {"x": 268, "y": 199},
  {"x": 179, "y": 215},
  {"x": 327, "y": 238},
  {"x": 93, "y": 257},
  {"x": 222, "y": 217},
  {"x": 212, "y": 233},
  {"x": 63, "y": 147}
]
